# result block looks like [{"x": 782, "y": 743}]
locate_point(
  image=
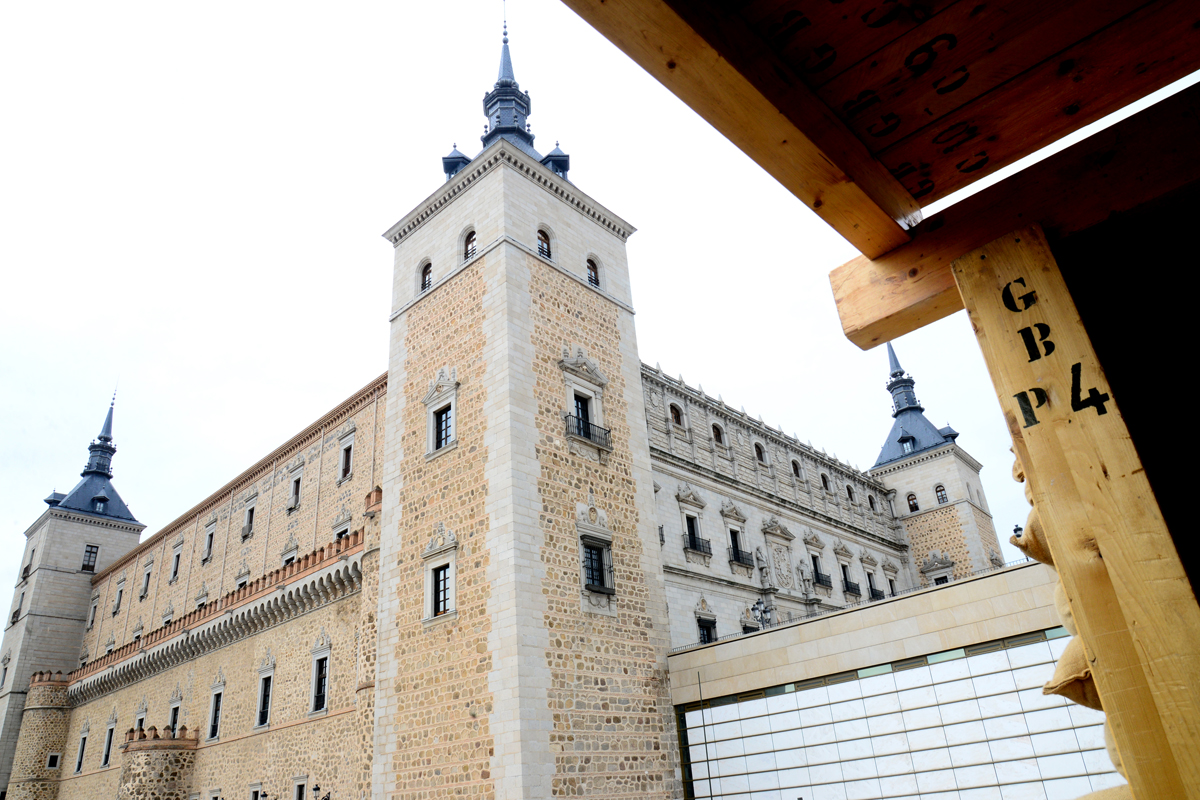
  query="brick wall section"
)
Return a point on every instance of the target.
[
  {"x": 609, "y": 697},
  {"x": 43, "y": 731},
  {"x": 440, "y": 697}
]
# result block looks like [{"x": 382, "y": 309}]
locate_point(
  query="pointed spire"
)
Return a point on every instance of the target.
[
  {"x": 106, "y": 431},
  {"x": 506, "y": 67},
  {"x": 101, "y": 450},
  {"x": 893, "y": 362}
]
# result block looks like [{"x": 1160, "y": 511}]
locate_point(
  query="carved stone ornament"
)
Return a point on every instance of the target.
[
  {"x": 582, "y": 367},
  {"x": 296, "y": 463},
  {"x": 773, "y": 527},
  {"x": 890, "y": 566},
  {"x": 168, "y": 613},
  {"x": 703, "y": 610},
  {"x": 290, "y": 546},
  {"x": 250, "y": 495},
  {"x": 112, "y": 718},
  {"x": 994, "y": 557},
  {"x": 936, "y": 561},
  {"x": 110, "y": 643},
  {"x": 441, "y": 541},
  {"x": 867, "y": 558},
  {"x": 143, "y": 706},
  {"x": 202, "y": 595},
  {"x": 268, "y": 661},
  {"x": 323, "y": 641},
  {"x": 149, "y": 560},
  {"x": 343, "y": 519},
  {"x": 783, "y": 565},
  {"x": 445, "y": 383},
  {"x": 178, "y": 541},
  {"x": 764, "y": 568},
  {"x": 730, "y": 511},
  {"x": 137, "y": 629},
  {"x": 243, "y": 571},
  {"x": 653, "y": 398},
  {"x": 220, "y": 681},
  {"x": 748, "y": 620},
  {"x": 212, "y": 519},
  {"x": 7, "y": 658},
  {"x": 657, "y": 488},
  {"x": 589, "y": 516},
  {"x": 177, "y": 695},
  {"x": 347, "y": 429},
  {"x": 83, "y": 655},
  {"x": 689, "y": 496},
  {"x": 839, "y": 548},
  {"x": 86, "y": 727},
  {"x": 813, "y": 540}
]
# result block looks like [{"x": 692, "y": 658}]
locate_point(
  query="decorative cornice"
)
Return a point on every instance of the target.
[
  {"x": 502, "y": 153},
  {"x": 441, "y": 541},
  {"x": 582, "y": 367}
]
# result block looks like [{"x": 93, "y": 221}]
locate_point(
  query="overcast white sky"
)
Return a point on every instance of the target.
[{"x": 192, "y": 198}]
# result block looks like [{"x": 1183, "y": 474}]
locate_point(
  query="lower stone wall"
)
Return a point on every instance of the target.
[
  {"x": 162, "y": 772},
  {"x": 43, "y": 732}
]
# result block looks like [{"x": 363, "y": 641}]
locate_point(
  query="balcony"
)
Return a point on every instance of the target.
[
  {"x": 851, "y": 588},
  {"x": 25, "y": 571},
  {"x": 739, "y": 556},
  {"x": 696, "y": 544},
  {"x": 583, "y": 429},
  {"x": 16, "y": 615},
  {"x": 876, "y": 595},
  {"x": 821, "y": 579}
]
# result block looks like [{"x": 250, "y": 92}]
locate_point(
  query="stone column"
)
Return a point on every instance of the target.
[
  {"x": 157, "y": 767},
  {"x": 43, "y": 731}
]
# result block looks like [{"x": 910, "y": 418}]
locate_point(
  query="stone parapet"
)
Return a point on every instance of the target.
[{"x": 158, "y": 767}]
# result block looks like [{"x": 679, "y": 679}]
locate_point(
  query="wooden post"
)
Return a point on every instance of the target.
[{"x": 1136, "y": 612}]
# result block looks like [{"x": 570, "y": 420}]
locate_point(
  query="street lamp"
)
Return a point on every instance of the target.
[
  {"x": 317, "y": 792},
  {"x": 1017, "y": 531},
  {"x": 762, "y": 612}
]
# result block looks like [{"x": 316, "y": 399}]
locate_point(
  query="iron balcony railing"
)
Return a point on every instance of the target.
[
  {"x": 739, "y": 556},
  {"x": 696, "y": 543},
  {"x": 593, "y": 433},
  {"x": 851, "y": 588},
  {"x": 599, "y": 578},
  {"x": 876, "y": 594},
  {"x": 821, "y": 579}
]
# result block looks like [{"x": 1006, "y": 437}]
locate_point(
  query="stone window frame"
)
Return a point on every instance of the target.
[
  {"x": 346, "y": 442},
  {"x": 419, "y": 287},
  {"x": 461, "y": 252},
  {"x": 871, "y": 502},
  {"x": 551, "y": 242},
  {"x": 266, "y": 671},
  {"x": 322, "y": 648},
  {"x": 95, "y": 610},
  {"x": 939, "y": 492},
  {"x": 295, "y": 486},
  {"x": 290, "y": 551},
  {"x": 216, "y": 691},
  {"x": 214, "y": 794},
  {"x": 441, "y": 551},
  {"x": 95, "y": 561},
  {"x": 176, "y": 704},
  {"x": 705, "y": 618},
  {"x": 116, "y": 609},
  {"x": 176, "y": 560},
  {"x": 210, "y": 541},
  {"x": 598, "y": 263},
  {"x": 298, "y": 782},
  {"x": 797, "y": 469},
  {"x": 718, "y": 427},
  {"x": 758, "y": 446},
  {"x": 147, "y": 569},
  {"x": 110, "y": 735},
  {"x": 825, "y": 484},
  {"x": 442, "y": 394},
  {"x": 582, "y": 376},
  {"x": 248, "y": 508},
  {"x": 681, "y": 407},
  {"x": 56, "y": 757},
  {"x": 913, "y": 505},
  {"x": 255, "y": 790},
  {"x": 82, "y": 751},
  {"x": 691, "y": 504}
]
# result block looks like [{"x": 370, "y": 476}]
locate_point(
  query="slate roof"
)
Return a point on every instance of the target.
[
  {"x": 911, "y": 423},
  {"x": 95, "y": 494}
]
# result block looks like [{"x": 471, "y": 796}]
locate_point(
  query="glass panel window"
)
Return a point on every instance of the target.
[
  {"x": 912, "y": 503},
  {"x": 940, "y": 491},
  {"x": 441, "y": 590},
  {"x": 108, "y": 737},
  {"x": 82, "y": 750},
  {"x": 543, "y": 244},
  {"x": 593, "y": 273},
  {"x": 214, "y": 721},
  {"x": 264, "y": 700},
  {"x": 469, "y": 246},
  {"x": 708, "y": 630},
  {"x": 443, "y": 427},
  {"x": 90, "y": 553},
  {"x": 718, "y": 437},
  {"x": 320, "y": 677},
  {"x": 426, "y": 277},
  {"x": 347, "y": 460}
]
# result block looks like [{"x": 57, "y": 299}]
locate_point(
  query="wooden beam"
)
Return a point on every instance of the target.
[
  {"x": 1129, "y": 595},
  {"x": 792, "y": 135},
  {"x": 1119, "y": 168}
]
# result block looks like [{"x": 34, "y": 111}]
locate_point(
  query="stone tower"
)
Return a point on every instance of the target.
[
  {"x": 522, "y": 648},
  {"x": 935, "y": 489},
  {"x": 81, "y": 533}
]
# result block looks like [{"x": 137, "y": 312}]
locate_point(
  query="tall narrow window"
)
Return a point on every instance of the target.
[
  {"x": 92, "y": 615},
  {"x": 248, "y": 528},
  {"x": 264, "y": 700},
  {"x": 320, "y": 679},
  {"x": 892, "y": 587},
  {"x": 692, "y": 531},
  {"x": 209, "y": 536},
  {"x": 825, "y": 482},
  {"x": 543, "y": 244},
  {"x": 120, "y": 597},
  {"x": 871, "y": 579},
  {"x": 845, "y": 573},
  {"x": 174, "y": 723},
  {"x": 871, "y": 502},
  {"x": 145, "y": 584},
  {"x": 108, "y": 737},
  {"x": 426, "y": 277},
  {"x": 469, "y": 246},
  {"x": 175, "y": 564},
  {"x": 796, "y": 468},
  {"x": 214, "y": 718},
  {"x": 301, "y": 790},
  {"x": 759, "y": 454},
  {"x": 90, "y": 553},
  {"x": 583, "y": 415},
  {"x": 718, "y": 437},
  {"x": 441, "y": 590},
  {"x": 347, "y": 460},
  {"x": 597, "y": 566},
  {"x": 443, "y": 427},
  {"x": 295, "y": 492},
  {"x": 593, "y": 273},
  {"x": 3, "y": 677},
  {"x": 940, "y": 491},
  {"x": 676, "y": 415},
  {"x": 912, "y": 503},
  {"x": 708, "y": 630},
  {"x": 82, "y": 749},
  {"x": 850, "y": 493}
]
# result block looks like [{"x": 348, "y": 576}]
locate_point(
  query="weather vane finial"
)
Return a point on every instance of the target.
[{"x": 505, "y": 6}]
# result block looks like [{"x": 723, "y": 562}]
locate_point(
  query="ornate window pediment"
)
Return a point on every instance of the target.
[
  {"x": 689, "y": 496},
  {"x": 890, "y": 566},
  {"x": 442, "y": 386},
  {"x": 704, "y": 610},
  {"x": 936, "y": 561},
  {"x": 168, "y": 613},
  {"x": 202, "y": 595},
  {"x": 813, "y": 540},
  {"x": 730, "y": 511},
  {"x": 143, "y": 706},
  {"x": 840, "y": 549},
  {"x": 441, "y": 541},
  {"x": 7, "y": 658},
  {"x": 347, "y": 429},
  {"x": 268, "y": 661},
  {"x": 582, "y": 367},
  {"x": 867, "y": 558},
  {"x": 250, "y": 495},
  {"x": 137, "y": 629},
  {"x": 290, "y": 548},
  {"x": 243, "y": 571},
  {"x": 342, "y": 519},
  {"x": 323, "y": 642},
  {"x": 773, "y": 527},
  {"x": 177, "y": 695}
]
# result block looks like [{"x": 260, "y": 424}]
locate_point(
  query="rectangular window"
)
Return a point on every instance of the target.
[
  {"x": 108, "y": 737},
  {"x": 214, "y": 720},
  {"x": 583, "y": 409},
  {"x": 300, "y": 791},
  {"x": 52, "y": 761},
  {"x": 347, "y": 460},
  {"x": 175, "y": 564},
  {"x": 120, "y": 597},
  {"x": 295, "y": 492},
  {"x": 735, "y": 540},
  {"x": 174, "y": 718},
  {"x": 92, "y": 615},
  {"x": 845, "y": 573},
  {"x": 342, "y": 534},
  {"x": 692, "y": 530},
  {"x": 90, "y": 553},
  {"x": 871, "y": 579},
  {"x": 208, "y": 542},
  {"x": 320, "y": 678},
  {"x": 941, "y": 581},
  {"x": 443, "y": 427},
  {"x": 140, "y": 724},
  {"x": 248, "y": 528},
  {"x": 264, "y": 700},
  {"x": 242, "y": 581},
  {"x": 4, "y": 676},
  {"x": 892, "y": 587},
  {"x": 82, "y": 749},
  {"x": 441, "y": 590},
  {"x": 145, "y": 583},
  {"x": 597, "y": 567},
  {"x": 708, "y": 630}
]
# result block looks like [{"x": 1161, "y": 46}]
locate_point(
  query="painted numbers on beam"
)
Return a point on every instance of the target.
[{"x": 1038, "y": 345}]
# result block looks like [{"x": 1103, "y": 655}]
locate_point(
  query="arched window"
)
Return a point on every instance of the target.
[
  {"x": 850, "y": 493},
  {"x": 718, "y": 437},
  {"x": 593, "y": 273},
  {"x": 796, "y": 468},
  {"x": 871, "y": 502},
  {"x": 469, "y": 246},
  {"x": 426, "y": 277},
  {"x": 759, "y": 454},
  {"x": 912, "y": 503},
  {"x": 824, "y": 481},
  {"x": 543, "y": 244},
  {"x": 676, "y": 415},
  {"x": 940, "y": 491}
]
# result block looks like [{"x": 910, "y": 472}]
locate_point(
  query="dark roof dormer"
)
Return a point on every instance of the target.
[
  {"x": 454, "y": 162},
  {"x": 558, "y": 161}
]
